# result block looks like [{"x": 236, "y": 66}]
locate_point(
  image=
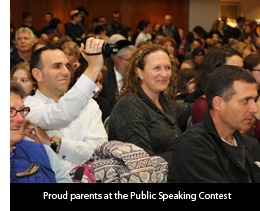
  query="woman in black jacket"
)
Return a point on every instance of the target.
[{"x": 146, "y": 114}]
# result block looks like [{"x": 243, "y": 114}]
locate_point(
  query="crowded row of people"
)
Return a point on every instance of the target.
[{"x": 139, "y": 94}]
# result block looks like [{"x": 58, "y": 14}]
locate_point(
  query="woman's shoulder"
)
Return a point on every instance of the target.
[
  {"x": 127, "y": 105},
  {"x": 129, "y": 99}
]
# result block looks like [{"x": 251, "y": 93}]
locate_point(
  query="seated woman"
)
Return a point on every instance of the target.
[
  {"x": 30, "y": 162},
  {"x": 146, "y": 114},
  {"x": 216, "y": 57},
  {"x": 21, "y": 73}
]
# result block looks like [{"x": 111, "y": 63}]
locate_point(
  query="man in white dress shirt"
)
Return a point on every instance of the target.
[{"x": 72, "y": 120}]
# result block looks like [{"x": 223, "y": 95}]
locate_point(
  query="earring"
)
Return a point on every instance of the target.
[{"x": 141, "y": 78}]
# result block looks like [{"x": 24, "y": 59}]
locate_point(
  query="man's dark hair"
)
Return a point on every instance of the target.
[
  {"x": 26, "y": 14},
  {"x": 221, "y": 80},
  {"x": 143, "y": 24},
  {"x": 35, "y": 61},
  {"x": 17, "y": 89},
  {"x": 49, "y": 13},
  {"x": 240, "y": 19},
  {"x": 99, "y": 29},
  {"x": 54, "y": 23}
]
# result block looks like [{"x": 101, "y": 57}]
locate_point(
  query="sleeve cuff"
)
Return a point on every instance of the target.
[{"x": 87, "y": 86}]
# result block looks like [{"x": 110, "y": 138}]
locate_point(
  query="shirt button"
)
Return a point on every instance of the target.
[{"x": 93, "y": 92}]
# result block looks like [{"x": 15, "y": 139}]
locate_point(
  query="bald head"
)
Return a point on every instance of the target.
[{"x": 168, "y": 20}]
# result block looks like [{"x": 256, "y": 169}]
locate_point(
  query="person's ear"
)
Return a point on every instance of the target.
[
  {"x": 139, "y": 72},
  {"x": 217, "y": 103},
  {"x": 37, "y": 74}
]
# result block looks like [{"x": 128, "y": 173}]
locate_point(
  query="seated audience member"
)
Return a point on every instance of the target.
[
  {"x": 189, "y": 64},
  {"x": 186, "y": 82},
  {"x": 216, "y": 57},
  {"x": 108, "y": 61},
  {"x": 24, "y": 38},
  {"x": 113, "y": 78},
  {"x": 47, "y": 18},
  {"x": 158, "y": 36},
  {"x": 216, "y": 38},
  {"x": 102, "y": 102},
  {"x": 252, "y": 64},
  {"x": 27, "y": 22},
  {"x": 54, "y": 39},
  {"x": 170, "y": 44},
  {"x": 21, "y": 74},
  {"x": 214, "y": 150},
  {"x": 71, "y": 50},
  {"x": 144, "y": 35},
  {"x": 54, "y": 26},
  {"x": 38, "y": 45},
  {"x": 73, "y": 120},
  {"x": 30, "y": 162},
  {"x": 64, "y": 39},
  {"x": 146, "y": 114},
  {"x": 198, "y": 54}
]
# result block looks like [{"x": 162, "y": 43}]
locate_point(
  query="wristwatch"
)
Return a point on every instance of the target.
[{"x": 55, "y": 143}]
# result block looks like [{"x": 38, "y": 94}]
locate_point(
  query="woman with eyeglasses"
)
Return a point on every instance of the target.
[{"x": 30, "y": 162}]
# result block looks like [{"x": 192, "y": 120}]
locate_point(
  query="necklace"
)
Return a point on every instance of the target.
[{"x": 12, "y": 154}]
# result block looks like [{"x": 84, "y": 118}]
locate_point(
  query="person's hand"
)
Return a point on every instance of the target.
[
  {"x": 95, "y": 63},
  {"x": 40, "y": 135}
]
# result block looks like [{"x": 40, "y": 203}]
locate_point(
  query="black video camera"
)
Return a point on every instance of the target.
[{"x": 109, "y": 48}]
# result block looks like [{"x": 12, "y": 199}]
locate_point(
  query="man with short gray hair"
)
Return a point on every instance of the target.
[
  {"x": 25, "y": 40},
  {"x": 113, "y": 78}
]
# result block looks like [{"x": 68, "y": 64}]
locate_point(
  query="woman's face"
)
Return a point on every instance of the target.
[
  {"x": 71, "y": 57},
  {"x": 17, "y": 122},
  {"x": 156, "y": 74},
  {"x": 21, "y": 77},
  {"x": 170, "y": 47}
]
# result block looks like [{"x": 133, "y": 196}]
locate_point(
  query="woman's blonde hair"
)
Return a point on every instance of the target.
[
  {"x": 73, "y": 47},
  {"x": 133, "y": 82}
]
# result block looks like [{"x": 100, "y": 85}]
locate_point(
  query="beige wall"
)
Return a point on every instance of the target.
[
  {"x": 250, "y": 8},
  {"x": 204, "y": 12}
]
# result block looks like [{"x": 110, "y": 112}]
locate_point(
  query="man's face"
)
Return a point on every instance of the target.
[
  {"x": 78, "y": 18},
  {"x": 168, "y": 20},
  {"x": 47, "y": 18},
  {"x": 122, "y": 62},
  {"x": 238, "y": 112},
  {"x": 55, "y": 76},
  {"x": 116, "y": 18},
  {"x": 24, "y": 42}
]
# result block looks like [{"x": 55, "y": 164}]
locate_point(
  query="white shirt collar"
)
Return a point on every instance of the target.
[
  {"x": 118, "y": 75},
  {"x": 38, "y": 95}
]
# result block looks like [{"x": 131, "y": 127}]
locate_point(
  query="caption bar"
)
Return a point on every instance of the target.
[{"x": 144, "y": 195}]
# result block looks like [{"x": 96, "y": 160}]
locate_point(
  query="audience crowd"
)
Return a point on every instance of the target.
[{"x": 158, "y": 91}]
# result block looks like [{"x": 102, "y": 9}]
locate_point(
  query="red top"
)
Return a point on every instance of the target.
[{"x": 198, "y": 109}]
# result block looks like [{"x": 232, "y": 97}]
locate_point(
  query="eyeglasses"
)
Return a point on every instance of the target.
[
  {"x": 123, "y": 58},
  {"x": 256, "y": 70},
  {"x": 24, "y": 111}
]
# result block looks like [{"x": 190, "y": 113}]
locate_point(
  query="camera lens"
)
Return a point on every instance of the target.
[
  {"x": 109, "y": 48},
  {"x": 105, "y": 48}
]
